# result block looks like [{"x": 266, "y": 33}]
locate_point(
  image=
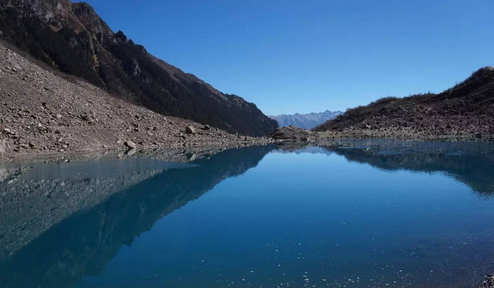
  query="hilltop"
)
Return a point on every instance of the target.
[{"x": 465, "y": 111}]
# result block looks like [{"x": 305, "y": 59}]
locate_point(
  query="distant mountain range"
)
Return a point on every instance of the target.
[
  {"x": 306, "y": 121},
  {"x": 72, "y": 38}
]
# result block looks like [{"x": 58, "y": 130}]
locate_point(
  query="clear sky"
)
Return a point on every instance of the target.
[{"x": 292, "y": 56}]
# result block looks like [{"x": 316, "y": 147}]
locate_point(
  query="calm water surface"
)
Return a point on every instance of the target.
[{"x": 398, "y": 215}]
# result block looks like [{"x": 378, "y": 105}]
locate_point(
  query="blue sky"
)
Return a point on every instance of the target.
[{"x": 292, "y": 56}]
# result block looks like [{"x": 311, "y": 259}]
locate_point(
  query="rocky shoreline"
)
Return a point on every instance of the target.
[
  {"x": 45, "y": 116},
  {"x": 294, "y": 134}
]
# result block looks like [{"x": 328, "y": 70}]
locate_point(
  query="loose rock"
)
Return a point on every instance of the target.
[
  {"x": 130, "y": 144},
  {"x": 50, "y": 115},
  {"x": 3, "y": 147},
  {"x": 131, "y": 152},
  {"x": 190, "y": 130}
]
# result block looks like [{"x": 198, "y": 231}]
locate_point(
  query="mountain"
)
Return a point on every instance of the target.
[
  {"x": 72, "y": 38},
  {"x": 306, "y": 121},
  {"x": 465, "y": 111},
  {"x": 43, "y": 114}
]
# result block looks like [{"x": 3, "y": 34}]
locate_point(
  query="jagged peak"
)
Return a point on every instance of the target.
[
  {"x": 121, "y": 36},
  {"x": 83, "y": 8}
]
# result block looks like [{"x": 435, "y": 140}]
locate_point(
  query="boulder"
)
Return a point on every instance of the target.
[
  {"x": 291, "y": 133},
  {"x": 16, "y": 66},
  {"x": 3, "y": 147},
  {"x": 131, "y": 152},
  {"x": 8, "y": 131},
  {"x": 190, "y": 130},
  {"x": 130, "y": 144}
]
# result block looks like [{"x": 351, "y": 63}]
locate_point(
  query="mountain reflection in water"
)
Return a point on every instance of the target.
[
  {"x": 83, "y": 244},
  {"x": 471, "y": 163},
  {"x": 324, "y": 216}
]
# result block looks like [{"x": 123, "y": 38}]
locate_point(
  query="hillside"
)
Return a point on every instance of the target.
[
  {"x": 43, "y": 114},
  {"x": 465, "y": 111},
  {"x": 305, "y": 121},
  {"x": 72, "y": 38}
]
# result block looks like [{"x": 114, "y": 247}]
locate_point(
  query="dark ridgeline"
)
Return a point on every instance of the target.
[
  {"x": 71, "y": 37},
  {"x": 465, "y": 110},
  {"x": 83, "y": 244}
]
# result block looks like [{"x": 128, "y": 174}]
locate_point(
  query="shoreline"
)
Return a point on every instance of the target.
[
  {"x": 294, "y": 134},
  {"x": 170, "y": 152},
  {"x": 188, "y": 150}
]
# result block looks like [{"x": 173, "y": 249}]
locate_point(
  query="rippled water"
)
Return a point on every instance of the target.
[{"x": 365, "y": 215}]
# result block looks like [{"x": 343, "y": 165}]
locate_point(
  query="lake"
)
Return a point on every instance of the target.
[{"x": 363, "y": 214}]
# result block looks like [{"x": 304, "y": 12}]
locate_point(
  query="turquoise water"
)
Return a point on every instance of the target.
[{"x": 398, "y": 215}]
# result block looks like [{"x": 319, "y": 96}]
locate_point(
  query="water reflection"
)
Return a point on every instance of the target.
[
  {"x": 469, "y": 163},
  {"x": 83, "y": 244},
  {"x": 297, "y": 219}
]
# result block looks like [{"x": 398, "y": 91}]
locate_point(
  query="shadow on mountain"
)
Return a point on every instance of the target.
[
  {"x": 469, "y": 163},
  {"x": 84, "y": 244}
]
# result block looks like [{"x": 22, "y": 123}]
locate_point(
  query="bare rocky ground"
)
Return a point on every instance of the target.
[
  {"x": 294, "y": 134},
  {"x": 44, "y": 115},
  {"x": 297, "y": 137},
  {"x": 437, "y": 129}
]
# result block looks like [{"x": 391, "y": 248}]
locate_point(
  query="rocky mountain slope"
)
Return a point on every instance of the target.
[
  {"x": 465, "y": 111},
  {"x": 42, "y": 113},
  {"x": 305, "y": 121},
  {"x": 72, "y": 38}
]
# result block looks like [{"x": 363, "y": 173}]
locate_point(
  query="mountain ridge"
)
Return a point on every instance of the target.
[
  {"x": 72, "y": 38},
  {"x": 305, "y": 120},
  {"x": 45, "y": 113}
]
